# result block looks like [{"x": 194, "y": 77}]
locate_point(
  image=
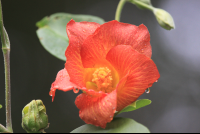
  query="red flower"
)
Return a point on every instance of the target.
[{"x": 110, "y": 63}]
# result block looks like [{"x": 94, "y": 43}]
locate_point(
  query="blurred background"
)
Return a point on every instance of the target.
[{"x": 175, "y": 97}]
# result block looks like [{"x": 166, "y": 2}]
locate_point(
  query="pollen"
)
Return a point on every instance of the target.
[{"x": 103, "y": 79}]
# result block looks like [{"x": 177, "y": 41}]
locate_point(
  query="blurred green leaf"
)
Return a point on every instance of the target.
[
  {"x": 135, "y": 105},
  {"x": 118, "y": 125},
  {"x": 52, "y": 31},
  {"x": 0, "y": 106}
]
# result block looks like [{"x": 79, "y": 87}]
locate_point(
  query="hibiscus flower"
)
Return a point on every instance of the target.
[{"x": 111, "y": 63}]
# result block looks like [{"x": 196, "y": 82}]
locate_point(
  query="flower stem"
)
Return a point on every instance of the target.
[
  {"x": 119, "y": 9},
  {"x": 6, "y": 53},
  {"x": 137, "y": 2}
]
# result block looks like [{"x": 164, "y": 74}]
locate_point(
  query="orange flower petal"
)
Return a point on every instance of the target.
[
  {"x": 137, "y": 73},
  {"x": 77, "y": 32},
  {"x": 96, "y": 46},
  {"x": 61, "y": 83},
  {"x": 97, "y": 108}
]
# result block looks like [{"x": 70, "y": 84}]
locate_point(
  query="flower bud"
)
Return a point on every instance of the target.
[
  {"x": 164, "y": 18},
  {"x": 34, "y": 117}
]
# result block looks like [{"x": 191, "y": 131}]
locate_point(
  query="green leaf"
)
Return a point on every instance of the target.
[
  {"x": 135, "y": 105},
  {"x": 118, "y": 125},
  {"x": 52, "y": 31},
  {"x": 0, "y": 106}
]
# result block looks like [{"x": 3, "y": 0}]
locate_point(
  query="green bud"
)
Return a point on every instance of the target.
[
  {"x": 34, "y": 117},
  {"x": 164, "y": 18}
]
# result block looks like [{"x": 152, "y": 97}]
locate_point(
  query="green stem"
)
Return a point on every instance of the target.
[
  {"x": 6, "y": 53},
  {"x": 119, "y": 9},
  {"x": 142, "y": 4}
]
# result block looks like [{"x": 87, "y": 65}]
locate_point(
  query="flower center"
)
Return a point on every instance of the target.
[{"x": 103, "y": 79}]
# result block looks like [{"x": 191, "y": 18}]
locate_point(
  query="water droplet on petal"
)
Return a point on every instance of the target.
[
  {"x": 76, "y": 90},
  {"x": 52, "y": 94},
  {"x": 156, "y": 81},
  {"x": 147, "y": 90}
]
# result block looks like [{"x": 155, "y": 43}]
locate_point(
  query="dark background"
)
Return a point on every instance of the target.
[{"x": 175, "y": 97}]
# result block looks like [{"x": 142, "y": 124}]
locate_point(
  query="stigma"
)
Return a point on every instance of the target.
[{"x": 103, "y": 79}]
